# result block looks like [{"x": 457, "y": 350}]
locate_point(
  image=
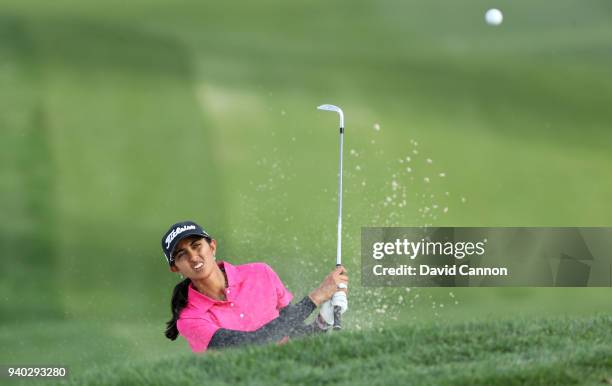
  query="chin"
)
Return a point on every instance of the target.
[{"x": 202, "y": 275}]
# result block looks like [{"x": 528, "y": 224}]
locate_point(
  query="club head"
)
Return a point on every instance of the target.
[{"x": 336, "y": 109}]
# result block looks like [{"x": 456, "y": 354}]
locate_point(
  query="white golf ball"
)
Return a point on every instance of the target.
[{"x": 494, "y": 17}]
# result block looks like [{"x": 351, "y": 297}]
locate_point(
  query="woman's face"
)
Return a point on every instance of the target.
[{"x": 194, "y": 257}]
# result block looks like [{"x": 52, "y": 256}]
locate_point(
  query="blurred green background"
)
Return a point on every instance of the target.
[{"x": 118, "y": 119}]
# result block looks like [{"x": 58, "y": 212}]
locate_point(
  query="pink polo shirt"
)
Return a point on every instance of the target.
[{"x": 254, "y": 296}]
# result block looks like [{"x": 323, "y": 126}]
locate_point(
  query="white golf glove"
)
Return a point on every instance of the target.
[{"x": 325, "y": 320}]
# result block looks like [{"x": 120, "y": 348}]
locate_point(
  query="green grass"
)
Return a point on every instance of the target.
[
  {"x": 517, "y": 117},
  {"x": 118, "y": 119},
  {"x": 560, "y": 351}
]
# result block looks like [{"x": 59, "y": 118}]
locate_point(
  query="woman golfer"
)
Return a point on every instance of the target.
[{"x": 221, "y": 305}]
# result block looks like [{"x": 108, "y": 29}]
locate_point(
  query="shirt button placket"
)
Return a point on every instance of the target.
[{"x": 227, "y": 292}]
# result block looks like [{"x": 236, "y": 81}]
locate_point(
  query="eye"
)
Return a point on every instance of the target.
[
  {"x": 178, "y": 255},
  {"x": 197, "y": 245}
]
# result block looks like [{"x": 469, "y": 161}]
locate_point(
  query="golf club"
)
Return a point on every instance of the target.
[{"x": 337, "y": 309}]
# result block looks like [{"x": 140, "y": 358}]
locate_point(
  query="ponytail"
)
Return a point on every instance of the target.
[{"x": 179, "y": 301}]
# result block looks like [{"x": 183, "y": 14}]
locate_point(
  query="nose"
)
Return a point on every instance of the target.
[{"x": 193, "y": 254}]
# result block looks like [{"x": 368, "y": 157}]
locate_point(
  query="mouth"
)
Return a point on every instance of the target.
[{"x": 198, "y": 267}]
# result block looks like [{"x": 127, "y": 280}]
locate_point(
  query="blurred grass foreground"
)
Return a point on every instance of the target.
[
  {"x": 118, "y": 119},
  {"x": 545, "y": 352}
]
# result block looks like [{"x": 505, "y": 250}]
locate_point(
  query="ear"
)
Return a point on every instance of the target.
[
  {"x": 173, "y": 268},
  {"x": 213, "y": 246}
]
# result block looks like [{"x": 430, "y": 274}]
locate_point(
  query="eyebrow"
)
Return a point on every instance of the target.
[{"x": 182, "y": 249}]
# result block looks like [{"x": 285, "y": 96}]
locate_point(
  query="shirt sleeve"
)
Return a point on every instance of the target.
[
  {"x": 197, "y": 332},
  {"x": 289, "y": 323},
  {"x": 283, "y": 295}
]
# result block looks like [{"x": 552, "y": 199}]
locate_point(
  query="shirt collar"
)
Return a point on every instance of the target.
[
  {"x": 234, "y": 276},
  {"x": 203, "y": 302}
]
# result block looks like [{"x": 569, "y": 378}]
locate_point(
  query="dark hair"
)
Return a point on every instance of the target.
[{"x": 179, "y": 301}]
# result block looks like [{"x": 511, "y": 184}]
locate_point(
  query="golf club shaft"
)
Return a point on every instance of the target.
[
  {"x": 337, "y": 309},
  {"x": 339, "y": 251},
  {"x": 326, "y": 107}
]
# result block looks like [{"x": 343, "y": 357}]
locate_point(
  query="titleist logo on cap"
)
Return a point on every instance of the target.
[{"x": 177, "y": 231}]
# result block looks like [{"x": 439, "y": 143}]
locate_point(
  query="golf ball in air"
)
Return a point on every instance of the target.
[{"x": 494, "y": 17}]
